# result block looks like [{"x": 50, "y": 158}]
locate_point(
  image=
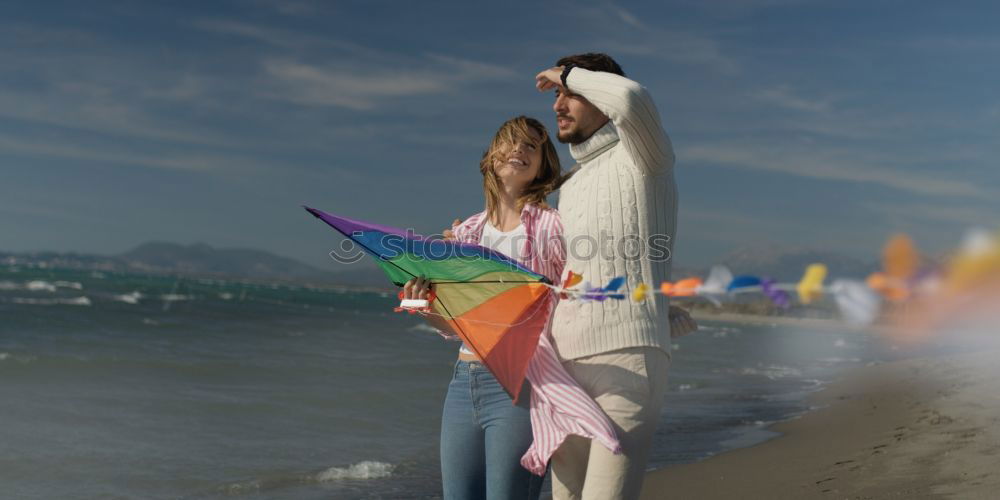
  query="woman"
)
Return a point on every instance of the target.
[{"x": 487, "y": 442}]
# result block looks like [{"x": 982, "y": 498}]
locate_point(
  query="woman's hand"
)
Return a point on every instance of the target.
[
  {"x": 449, "y": 234},
  {"x": 417, "y": 288}
]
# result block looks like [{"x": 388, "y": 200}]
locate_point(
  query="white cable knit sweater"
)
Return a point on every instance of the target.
[{"x": 621, "y": 198}]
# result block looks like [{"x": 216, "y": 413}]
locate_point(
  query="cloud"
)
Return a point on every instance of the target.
[
  {"x": 961, "y": 215},
  {"x": 962, "y": 44},
  {"x": 784, "y": 97},
  {"x": 361, "y": 87},
  {"x": 230, "y": 164},
  {"x": 827, "y": 164},
  {"x": 619, "y": 31},
  {"x": 298, "y": 69},
  {"x": 346, "y": 87},
  {"x": 58, "y": 148}
]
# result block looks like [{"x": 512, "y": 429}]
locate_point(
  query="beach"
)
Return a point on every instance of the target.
[{"x": 916, "y": 428}]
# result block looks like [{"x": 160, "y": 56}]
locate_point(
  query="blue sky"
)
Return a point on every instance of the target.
[{"x": 826, "y": 124}]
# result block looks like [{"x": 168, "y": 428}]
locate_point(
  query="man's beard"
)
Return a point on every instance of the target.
[{"x": 574, "y": 137}]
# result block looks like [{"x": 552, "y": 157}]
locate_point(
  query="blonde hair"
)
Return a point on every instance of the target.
[{"x": 549, "y": 172}]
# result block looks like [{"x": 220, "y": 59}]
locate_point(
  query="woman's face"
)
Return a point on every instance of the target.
[{"x": 520, "y": 162}]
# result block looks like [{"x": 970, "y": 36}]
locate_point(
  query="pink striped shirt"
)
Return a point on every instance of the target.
[{"x": 559, "y": 406}]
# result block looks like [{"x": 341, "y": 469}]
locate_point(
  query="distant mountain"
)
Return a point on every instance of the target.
[
  {"x": 204, "y": 259},
  {"x": 788, "y": 263}
]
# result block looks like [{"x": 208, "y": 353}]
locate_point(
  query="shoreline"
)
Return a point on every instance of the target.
[
  {"x": 916, "y": 428},
  {"x": 759, "y": 319}
]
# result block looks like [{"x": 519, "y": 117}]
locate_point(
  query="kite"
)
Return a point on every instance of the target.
[{"x": 495, "y": 305}]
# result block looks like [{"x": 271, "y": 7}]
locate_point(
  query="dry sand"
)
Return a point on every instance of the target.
[{"x": 920, "y": 428}]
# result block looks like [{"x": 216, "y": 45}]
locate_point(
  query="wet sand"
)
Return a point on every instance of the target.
[{"x": 919, "y": 428}]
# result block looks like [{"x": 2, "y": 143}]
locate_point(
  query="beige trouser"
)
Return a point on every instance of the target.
[{"x": 629, "y": 385}]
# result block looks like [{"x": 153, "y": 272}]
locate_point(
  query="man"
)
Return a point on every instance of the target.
[{"x": 619, "y": 213}]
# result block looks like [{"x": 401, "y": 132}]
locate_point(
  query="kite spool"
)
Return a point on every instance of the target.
[{"x": 414, "y": 306}]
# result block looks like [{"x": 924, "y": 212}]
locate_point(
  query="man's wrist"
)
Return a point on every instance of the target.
[{"x": 565, "y": 73}]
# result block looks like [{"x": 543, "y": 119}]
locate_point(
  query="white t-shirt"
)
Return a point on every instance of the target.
[{"x": 508, "y": 243}]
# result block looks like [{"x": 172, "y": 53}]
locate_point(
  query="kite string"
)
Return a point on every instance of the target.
[{"x": 581, "y": 295}]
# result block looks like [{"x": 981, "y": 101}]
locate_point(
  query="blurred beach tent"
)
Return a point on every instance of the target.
[{"x": 496, "y": 306}]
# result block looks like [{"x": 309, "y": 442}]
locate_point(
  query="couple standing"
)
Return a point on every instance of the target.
[{"x": 598, "y": 378}]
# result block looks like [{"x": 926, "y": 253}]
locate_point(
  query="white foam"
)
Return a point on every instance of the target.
[
  {"x": 9, "y": 285},
  {"x": 423, "y": 327},
  {"x": 69, "y": 284},
  {"x": 39, "y": 286},
  {"x": 253, "y": 486},
  {"x": 20, "y": 358},
  {"x": 361, "y": 470},
  {"x": 129, "y": 298},
  {"x": 773, "y": 372},
  {"x": 76, "y": 301},
  {"x": 173, "y": 297},
  {"x": 834, "y": 360},
  {"x": 226, "y": 296}
]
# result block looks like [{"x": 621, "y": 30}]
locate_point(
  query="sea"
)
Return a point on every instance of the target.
[{"x": 117, "y": 385}]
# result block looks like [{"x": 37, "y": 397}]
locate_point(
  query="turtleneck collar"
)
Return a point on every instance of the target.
[{"x": 601, "y": 141}]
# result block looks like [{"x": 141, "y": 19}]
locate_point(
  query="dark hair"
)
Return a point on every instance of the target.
[{"x": 594, "y": 61}]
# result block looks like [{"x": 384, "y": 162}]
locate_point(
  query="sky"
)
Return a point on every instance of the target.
[{"x": 823, "y": 124}]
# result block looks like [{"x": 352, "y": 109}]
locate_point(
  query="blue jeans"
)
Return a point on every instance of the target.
[{"x": 483, "y": 436}]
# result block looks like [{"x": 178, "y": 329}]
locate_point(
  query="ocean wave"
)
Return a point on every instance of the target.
[
  {"x": 836, "y": 360},
  {"x": 129, "y": 298},
  {"x": 22, "y": 358},
  {"x": 173, "y": 297},
  {"x": 75, "y": 301},
  {"x": 362, "y": 470},
  {"x": 39, "y": 286},
  {"x": 423, "y": 327},
  {"x": 772, "y": 372}
]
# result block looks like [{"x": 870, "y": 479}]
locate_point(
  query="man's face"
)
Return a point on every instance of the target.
[{"x": 576, "y": 117}]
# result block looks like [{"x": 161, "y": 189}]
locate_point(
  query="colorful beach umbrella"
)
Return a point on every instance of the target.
[{"x": 496, "y": 306}]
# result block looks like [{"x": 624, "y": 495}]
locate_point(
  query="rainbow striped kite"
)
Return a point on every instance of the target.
[{"x": 496, "y": 306}]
